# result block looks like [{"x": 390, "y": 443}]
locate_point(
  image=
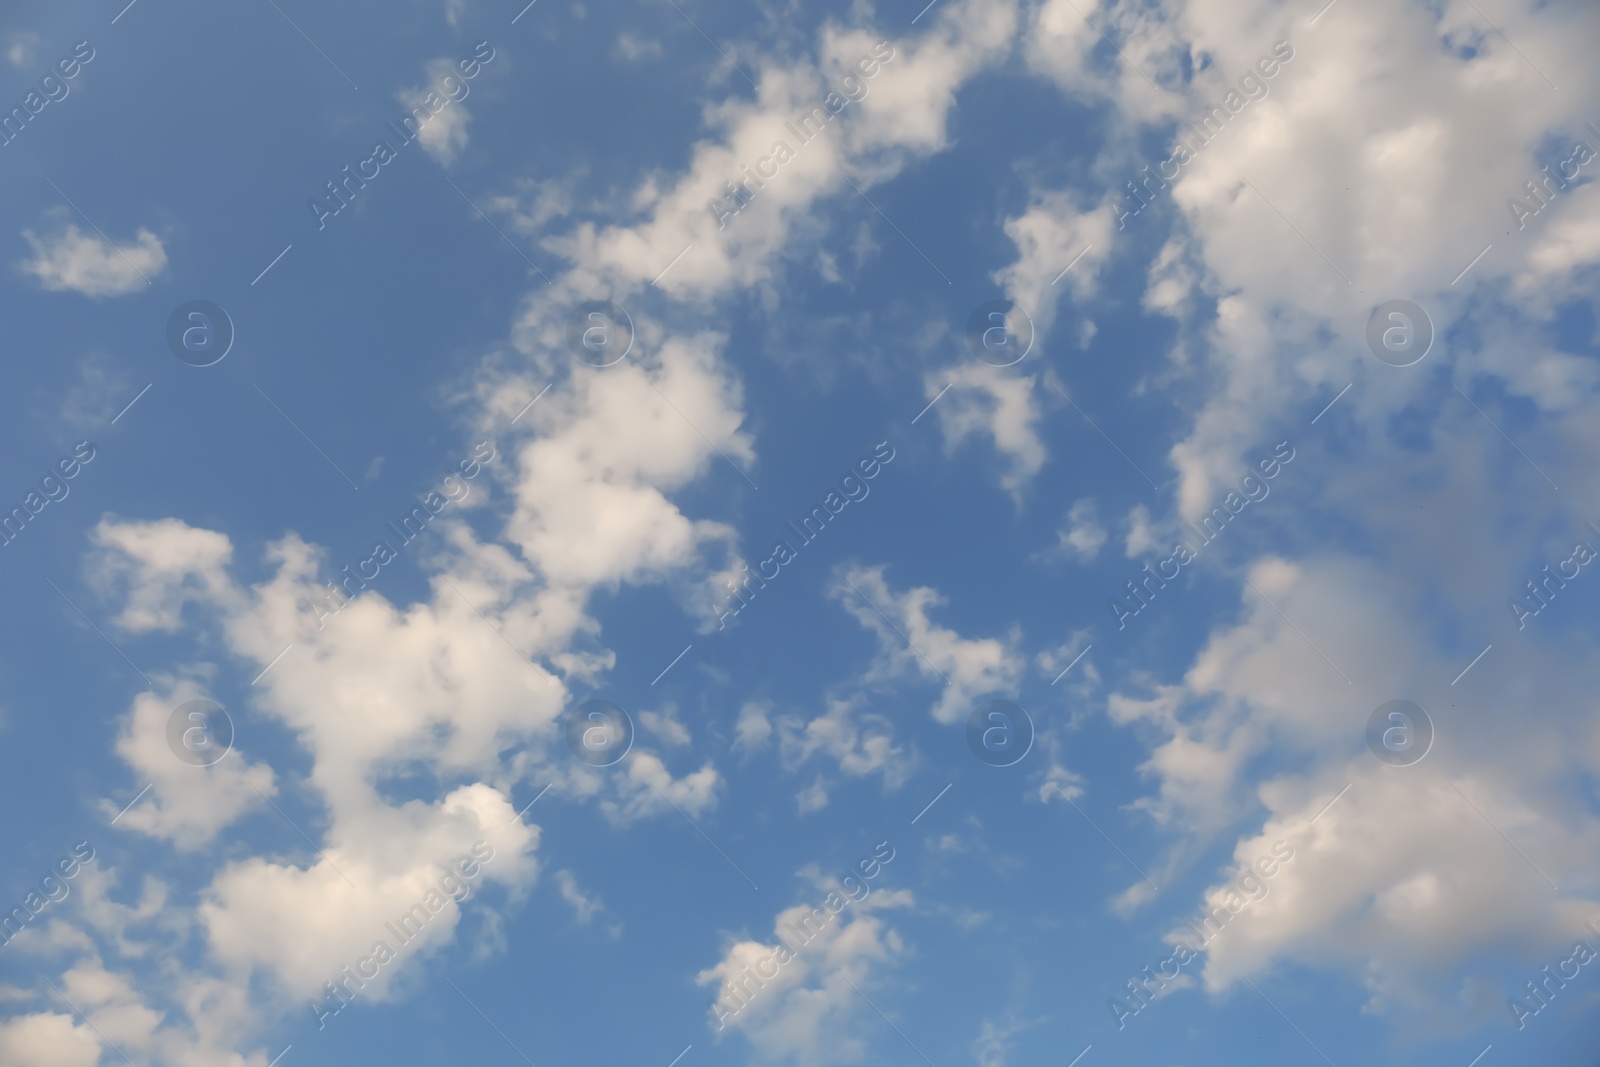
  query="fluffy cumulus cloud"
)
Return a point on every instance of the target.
[
  {"x": 190, "y": 802},
  {"x": 69, "y": 260},
  {"x": 460, "y": 687},
  {"x": 1317, "y": 191},
  {"x": 1267, "y": 180},
  {"x": 1408, "y": 877},
  {"x": 46, "y": 1039},
  {"x": 592, "y": 504},
  {"x": 331, "y": 914},
  {"x": 1308, "y": 171},
  {"x": 373, "y": 689},
  {"x": 798, "y": 999},
  {"x": 154, "y": 568},
  {"x": 1405, "y": 880}
]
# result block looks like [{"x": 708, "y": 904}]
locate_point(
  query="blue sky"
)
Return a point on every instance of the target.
[{"x": 174, "y": 529}]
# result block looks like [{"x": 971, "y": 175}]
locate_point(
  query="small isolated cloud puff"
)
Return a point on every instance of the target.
[
  {"x": 71, "y": 260},
  {"x": 19, "y": 47},
  {"x": 634, "y": 48},
  {"x": 585, "y": 906},
  {"x": 992, "y": 1048},
  {"x": 1082, "y": 535},
  {"x": 754, "y": 727},
  {"x": 650, "y": 789},
  {"x": 997, "y": 403},
  {"x": 445, "y": 134}
]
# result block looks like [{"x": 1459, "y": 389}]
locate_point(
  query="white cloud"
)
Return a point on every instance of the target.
[
  {"x": 533, "y": 203},
  {"x": 968, "y": 668},
  {"x": 807, "y": 1010},
  {"x": 633, "y": 48},
  {"x": 103, "y": 388},
  {"x": 813, "y": 797},
  {"x": 301, "y": 925},
  {"x": 45, "y": 1039},
  {"x": 902, "y": 115},
  {"x": 648, "y": 788},
  {"x": 992, "y": 1047},
  {"x": 71, "y": 260},
  {"x": 996, "y": 402},
  {"x": 429, "y": 690},
  {"x": 19, "y": 47},
  {"x": 1057, "y": 231},
  {"x": 591, "y": 488},
  {"x": 445, "y": 134},
  {"x": 753, "y": 728},
  {"x": 860, "y": 742},
  {"x": 187, "y": 805},
  {"x": 1081, "y": 534},
  {"x": 1403, "y": 882},
  {"x": 665, "y": 727},
  {"x": 157, "y": 568},
  {"x": 1389, "y": 145},
  {"x": 585, "y": 907}
]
